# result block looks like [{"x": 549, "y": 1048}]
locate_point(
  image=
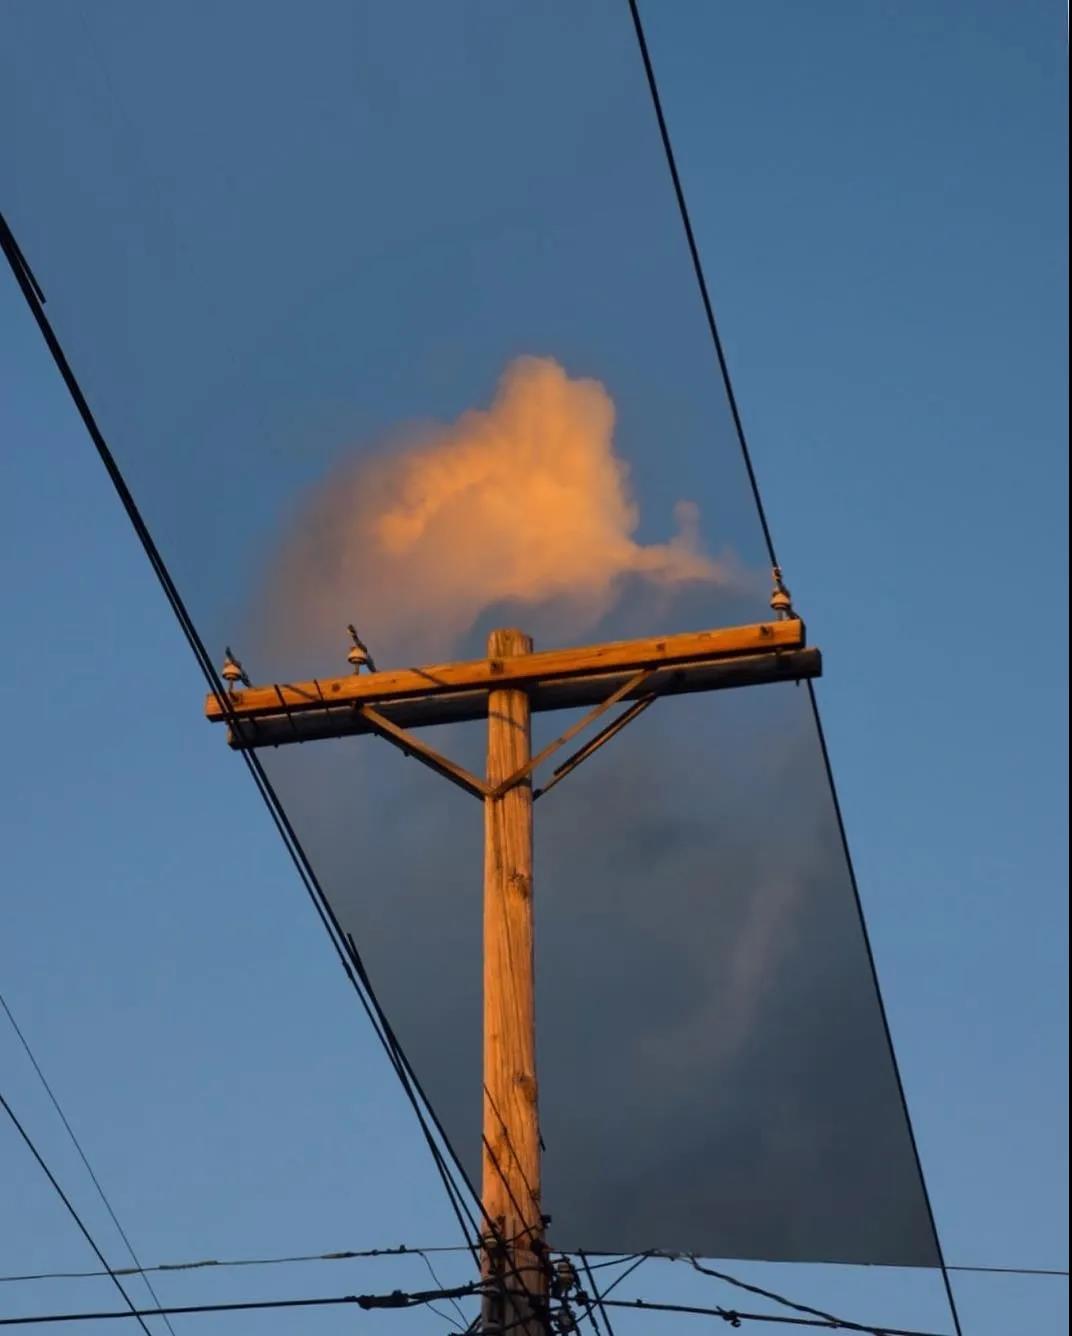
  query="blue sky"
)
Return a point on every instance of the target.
[{"x": 878, "y": 194}]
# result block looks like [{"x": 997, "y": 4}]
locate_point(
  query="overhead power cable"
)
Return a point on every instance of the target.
[
  {"x": 34, "y": 296},
  {"x": 206, "y": 1262},
  {"x": 403, "y": 1250},
  {"x": 344, "y": 1255},
  {"x": 1011, "y": 1270},
  {"x": 453, "y": 1173},
  {"x": 436, "y": 1281},
  {"x": 137, "y": 1268},
  {"x": 701, "y": 281},
  {"x": 768, "y": 1294},
  {"x": 73, "y": 1213},
  {"x": 397, "y": 1299},
  {"x": 596, "y": 1295},
  {"x": 735, "y": 1318}
]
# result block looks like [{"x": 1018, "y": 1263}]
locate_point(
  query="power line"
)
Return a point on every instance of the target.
[
  {"x": 873, "y": 966},
  {"x": 137, "y": 1269},
  {"x": 202, "y": 1263},
  {"x": 1011, "y": 1270},
  {"x": 637, "y": 1261},
  {"x": 769, "y": 1294},
  {"x": 815, "y": 1317},
  {"x": 397, "y": 1299},
  {"x": 615, "y": 1260},
  {"x": 513, "y": 1152},
  {"x": 405, "y": 1250},
  {"x": 735, "y": 1318},
  {"x": 437, "y": 1281},
  {"x": 342, "y": 942},
  {"x": 596, "y": 1294},
  {"x": 34, "y": 297},
  {"x": 701, "y": 281},
  {"x": 74, "y": 1214}
]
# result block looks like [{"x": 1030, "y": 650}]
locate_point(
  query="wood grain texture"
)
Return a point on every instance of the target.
[
  {"x": 791, "y": 665},
  {"x": 511, "y": 1129},
  {"x": 500, "y": 669}
]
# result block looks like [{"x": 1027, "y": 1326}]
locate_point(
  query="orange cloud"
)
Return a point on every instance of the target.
[{"x": 523, "y": 501}]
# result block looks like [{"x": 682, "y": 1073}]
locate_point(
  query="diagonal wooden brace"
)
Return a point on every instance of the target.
[
  {"x": 593, "y": 744},
  {"x": 411, "y": 745},
  {"x": 637, "y": 680}
]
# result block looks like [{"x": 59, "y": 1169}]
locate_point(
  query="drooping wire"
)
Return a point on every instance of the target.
[
  {"x": 701, "y": 281},
  {"x": 513, "y": 1151},
  {"x": 735, "y": 1318},
  {"x": 72, "y": 1212},
  {"x": 1011, "y": 1270},
  {"x": 596, "y": 1294},
  {"x": 767, "y": 1294},
  {"x": 397, "y": 1299},
  {"x": 637, "y": 1261},
  {"x": 32, "y": 293},
  {"x": 436, "y": 1281},
  {"x": 341, "y": 941},
  {"x": 341, "y": 1256},
  {"x": 873, "y": 966},
  {"x": 346, "y": 1255},
  {"x": 826, "y": 1319},
  {"x": 138, "y": 1269}
]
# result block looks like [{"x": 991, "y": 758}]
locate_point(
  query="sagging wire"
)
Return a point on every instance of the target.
[
  {"x": 137, "y": 1268},
  {"x": 133, "y": 1312},
  {"x": 398, "y": 1299}
]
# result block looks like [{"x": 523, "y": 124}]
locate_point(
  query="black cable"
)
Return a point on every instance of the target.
[
  {"x": 437, "y": 1281},
  {"x": 73, "y": 1213},
  {"x": 343, "y": 1256},
  {"x": 771, "y": 1294},
  {"x": 596, "y": 1294},
  {"x": 641, "y": 1257},
  {"x": 512, "y": 1149},
  {"x": 34, "y": 298},
  {"x": 857, "y": 900},
  {"x": 509, "y": 1190},
  {"x": 413, "y": 1089},
  {"x": 724, "y": 369},
  {"x": 342, "y": 942},
  {"x": 1011, "y": 1270},
  {"x": 160, "y": 1312},
  {"x": 364, "y": 1301},
  {"x": 403, "y": 1251},
  {"x": 138, "y": 1268},
  {"x": 734, "y": 1318},
  {"x": 614, "y": 1260},
  {"x": 701, "y": 281}
]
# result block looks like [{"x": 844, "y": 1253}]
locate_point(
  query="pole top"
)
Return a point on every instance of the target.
[{"x": 508, "y": 640}]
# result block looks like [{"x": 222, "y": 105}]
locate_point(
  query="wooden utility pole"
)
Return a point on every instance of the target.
[
  {"x": 511, "y": 1139},
  {"x": 505, "y": 689}
]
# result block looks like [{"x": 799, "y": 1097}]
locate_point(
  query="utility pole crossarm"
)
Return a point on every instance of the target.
[{"x": 554, "y": 679}]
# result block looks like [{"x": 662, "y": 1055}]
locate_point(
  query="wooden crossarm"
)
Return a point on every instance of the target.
[
  {"x": 386, "y": 688},
  {"x": 280, "y": 729}
]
